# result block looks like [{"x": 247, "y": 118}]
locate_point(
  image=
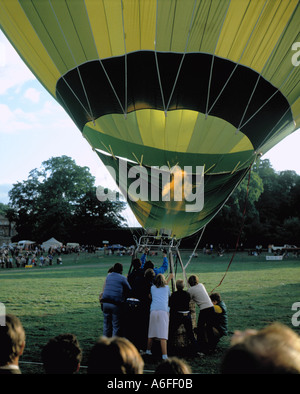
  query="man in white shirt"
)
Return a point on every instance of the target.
[{"x": 200, "y": 296}]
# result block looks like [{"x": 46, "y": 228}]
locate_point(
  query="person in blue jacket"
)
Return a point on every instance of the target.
[
  {"x": 115, "y": 293},
  {"x": 148, "y": 264}
]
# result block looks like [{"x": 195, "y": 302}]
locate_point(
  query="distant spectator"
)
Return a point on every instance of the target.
[
  {"x": 62, "y": 355},
  {"x": 274, "y": 349},
  {"x": 115, "y": 355},
  {"x": 42, "y": 260},
  {"x": 12, "y": 344}
]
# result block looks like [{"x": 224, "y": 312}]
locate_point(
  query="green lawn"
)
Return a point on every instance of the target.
[{"x": 64, "y": 298}]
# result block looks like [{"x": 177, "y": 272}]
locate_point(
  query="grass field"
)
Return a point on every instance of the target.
[{"x": 64, "y": 298}]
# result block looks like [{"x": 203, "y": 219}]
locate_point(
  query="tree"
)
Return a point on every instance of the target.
[
  {"x": 272, "y": 214},
  {"x": 101, "y": 215},
  {"x": 3, "y": 209},
  {"x": 268, "y": 204},
  {"x": 278, "y": 203},
  {"x": 228, "y": 222},
  {"x": 53, "y": 202}
]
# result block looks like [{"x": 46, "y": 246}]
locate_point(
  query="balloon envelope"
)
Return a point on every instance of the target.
[{"x": 165, "y": 83}]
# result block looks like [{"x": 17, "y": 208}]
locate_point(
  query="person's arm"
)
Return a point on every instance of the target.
[
  {"x": 144, "y": 256},
  {"x": 104, "y": 285},
  {"x": 164, "y": 267},
  {"x": 126, "y": 284},
  {"x": 169, "y": 278},
  {"x": 143, "y": 260},
  {"x": 126, "y": 287},
  {"x": 101, "y": 293},
  {"x": 190, "y": 292}
]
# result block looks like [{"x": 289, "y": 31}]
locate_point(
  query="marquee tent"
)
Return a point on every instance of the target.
[{"x": 51, "y": 243}]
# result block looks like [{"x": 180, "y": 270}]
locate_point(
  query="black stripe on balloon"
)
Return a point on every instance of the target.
[{"x": 191, "y": 90}]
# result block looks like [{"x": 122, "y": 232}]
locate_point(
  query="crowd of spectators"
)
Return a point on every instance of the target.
[
  {"x": 15, "y": 256},
  {"x": 139, "y": 308},
  {"x": 274, "y": 349}
]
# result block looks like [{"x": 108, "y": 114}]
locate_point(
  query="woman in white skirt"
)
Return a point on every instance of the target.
[{"x": 159, "y": 313}]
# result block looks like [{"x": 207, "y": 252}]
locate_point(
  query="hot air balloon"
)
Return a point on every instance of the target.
[{"x": 167, "y": 84}]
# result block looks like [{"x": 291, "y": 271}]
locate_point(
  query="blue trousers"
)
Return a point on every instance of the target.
[{"x": 112, "y": 320}]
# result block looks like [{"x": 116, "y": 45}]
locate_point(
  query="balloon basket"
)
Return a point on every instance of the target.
[{"x": 162, "y": 243}]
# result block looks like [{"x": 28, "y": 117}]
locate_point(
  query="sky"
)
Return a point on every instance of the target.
[{"x": 34, "y": 128}]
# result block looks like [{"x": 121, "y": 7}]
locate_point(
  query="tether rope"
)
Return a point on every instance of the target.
[
  {"x": 240, "y": 232},
  {"x": 195, "y": 248},
  {"x": 81, "y": 366}
]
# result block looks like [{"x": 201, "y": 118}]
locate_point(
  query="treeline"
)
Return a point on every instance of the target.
[
  {"x": 59, "y": 200},
  {"x": 272, "y": 211}
]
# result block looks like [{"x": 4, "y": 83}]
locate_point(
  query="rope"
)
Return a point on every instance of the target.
[
  {"x": 90, "y": 112},
  {"x": 81, "y": 366},
  {"x": 157, "y": 65},
  {"x": 103, "y": 68},
  {"x": 240, "y": 232},
  {"x": 125, "y": 59},
  {"x": 239, "y": 60},
  {"x": 183, "y": 56},
  {"x": 195, "y": 248},
  {"x": 212, "y": 61}
]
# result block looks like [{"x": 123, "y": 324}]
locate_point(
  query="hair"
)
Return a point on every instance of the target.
[
  {"x": 149, "y": 274},
  {"x": 115, "y": 355},
  {"x": 273, "y": 350},
  {"x": 148, "y": 264},
  {"x": 179, "y": 284},
  {"x": 173, "y": 365},
  {"x": 136, "y": 263},
  {"x": 62, "y": 355},
  {"x": 160, "y": 280},
  {"x": 12, "y": 339},
  {"x": 193, "y": 280},
  {"x": 215, "y": 297},
  {"x": 118, "y": 268}
]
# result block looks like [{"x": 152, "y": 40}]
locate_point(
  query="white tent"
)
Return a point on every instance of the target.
[
  {"x": 20, "y": 243},
  {"x": 73, "y": 244},
  {"x": 25, "y": 244},
  {"x": 51, "y": 243}
]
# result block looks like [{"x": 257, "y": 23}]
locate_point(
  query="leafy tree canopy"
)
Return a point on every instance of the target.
[
  {"x": 3, "y": 209},
  {"x": 272, "y": 210},
  {"x": 59, "y": 200}
]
